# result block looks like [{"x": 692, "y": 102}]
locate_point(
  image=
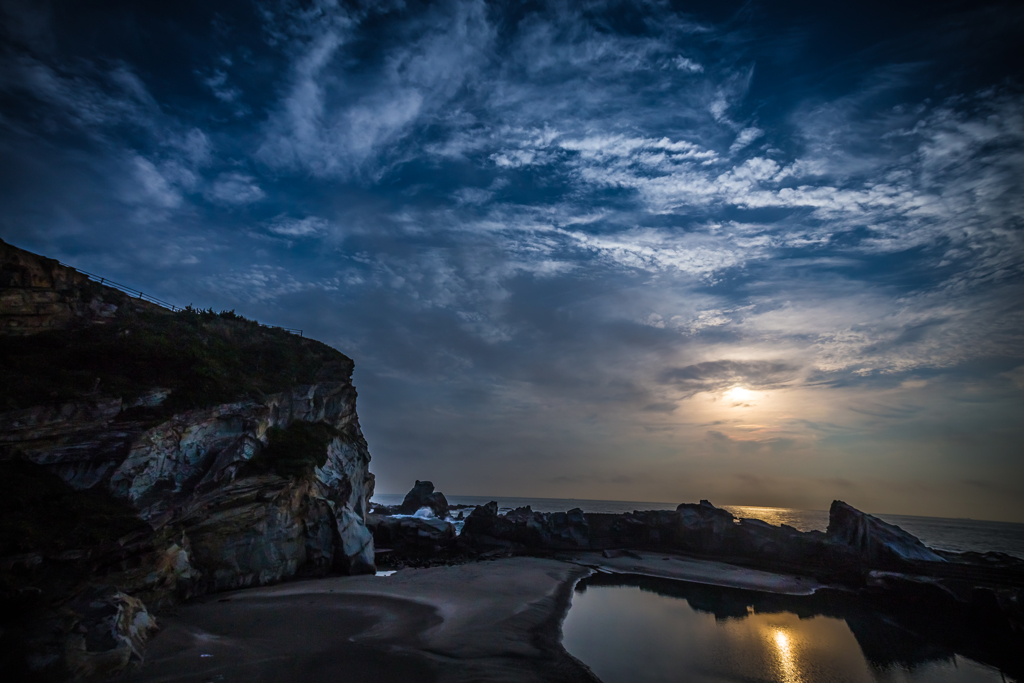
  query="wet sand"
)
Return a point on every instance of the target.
[
  {"x": 489, "y": 621},
  {"x": 481, "y": 622}
]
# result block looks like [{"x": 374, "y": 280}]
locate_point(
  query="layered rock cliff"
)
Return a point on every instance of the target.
[{"x": 187, "y": 451}]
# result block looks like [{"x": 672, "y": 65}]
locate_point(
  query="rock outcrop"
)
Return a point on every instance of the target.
[
  {"x": 422, "y": 495},
  {"x": 100, "y": 633},
  {"x": 875, "y": 542},
  {"x": 419, "y": 527},
  {"x": 854, "y": 542},
  {"x": 412, "y": 534},
  {"x": 523, "y": 528},
  {"x": 231, "y": 451},
  {"x": 39, "y": 294}
]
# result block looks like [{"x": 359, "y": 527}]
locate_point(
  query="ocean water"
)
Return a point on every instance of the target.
[{"x": 958, "y": 535}]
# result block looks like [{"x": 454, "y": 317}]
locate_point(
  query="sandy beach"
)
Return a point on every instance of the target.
[
  {"x": 486, "y": 621},
  {"x": 489, "y": 621}
]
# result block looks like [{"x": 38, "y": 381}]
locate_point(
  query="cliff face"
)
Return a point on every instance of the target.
[
  {"x": 231, "y": 453},
  {"x": 39, "y": 294}
]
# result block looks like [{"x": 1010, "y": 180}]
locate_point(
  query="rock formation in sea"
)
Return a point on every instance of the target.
[
  {"x": 523, "y": 528},
  {"x": 854, "y": 540},
  {"x": 422, "y": 495},
  {"x": 148, "y": 456},
  {"x": 876, "y": 541},
  {"x": 418, "y": 530}
]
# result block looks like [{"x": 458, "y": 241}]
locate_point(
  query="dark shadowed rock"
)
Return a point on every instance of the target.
[
  {"x": 422, "y": 495},
  {"x": 704, "y": 527},
  {"x": 524, "y": 529},
  {"x": 102, "y": 633},
  {"x": 875, "y": 542},
  {"x": 411, "y": 534},
  {"x": 637, "y": 529}
]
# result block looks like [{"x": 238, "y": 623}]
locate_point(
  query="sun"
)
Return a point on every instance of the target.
[{"x": 739, "y": 394}]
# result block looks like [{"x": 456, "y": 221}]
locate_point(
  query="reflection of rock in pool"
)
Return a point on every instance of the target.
[{"x": 642, "y": 630}]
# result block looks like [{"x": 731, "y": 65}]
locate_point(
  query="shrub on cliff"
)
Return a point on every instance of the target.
[{"x": 295, "y": 450}]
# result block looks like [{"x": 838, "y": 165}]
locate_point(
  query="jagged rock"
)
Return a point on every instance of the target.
[
  {"x": 875, "y": 542},
  {"x": 637, "y": 529},
  {"x": 411, "y": 534},
  {"x": 523, "y": 528},
  {"x": 188, "y": 472},
  {"x": 99, "y": 634},
  {"x": 422, "y": 495},
  {"x": 704, "y": 527},
  {"x": 160, "y": 573}
]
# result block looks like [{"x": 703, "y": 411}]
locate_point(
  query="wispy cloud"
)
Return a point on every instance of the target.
[{"x": 568, "y": 225}]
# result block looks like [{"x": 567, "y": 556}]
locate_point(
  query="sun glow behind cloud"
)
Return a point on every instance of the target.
[{"x": 740, "y": 396}]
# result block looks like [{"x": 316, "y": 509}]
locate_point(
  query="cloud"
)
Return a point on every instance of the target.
[
  {"x": 538, "y": 230},
  {"x": 151, "y": 186},
  {"x": 334, "y": 127},
  {"x": 687, "y": 65},
  {"x": 662, "y": 407},
  {"x": 310, "y": 226},
  {"x": 745, "y": 137},
  {"x": 235, "y": 188},
  {"x": 217, "y": 82},
  {"x": 723, "y": 374}
]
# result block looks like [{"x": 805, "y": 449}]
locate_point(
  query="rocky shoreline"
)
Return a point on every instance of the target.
[{"x": 973, "y": 599}]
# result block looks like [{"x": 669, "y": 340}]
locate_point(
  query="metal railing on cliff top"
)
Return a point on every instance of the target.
[{"x": 136, "y": 294}]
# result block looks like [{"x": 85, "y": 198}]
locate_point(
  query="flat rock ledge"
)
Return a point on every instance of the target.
[{"x": 676, "y": 567}]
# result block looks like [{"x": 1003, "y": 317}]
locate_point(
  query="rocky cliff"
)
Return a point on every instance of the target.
[{"x": 149, "y": 455}]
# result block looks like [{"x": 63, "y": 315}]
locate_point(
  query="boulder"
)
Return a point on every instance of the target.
[
  {"x": 524, "y": 529},
  {"x": 422, "y": 495},
  {"x": 874, "y": 542},
  {"x": 99, "y": 634},
  {"x": 637, "y": 529},
  {"x": 705, "y": 528},
  {"x": 408, "y": 535}
]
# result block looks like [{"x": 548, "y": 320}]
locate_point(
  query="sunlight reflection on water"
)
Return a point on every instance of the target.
[{"x": 627, "y": 635}]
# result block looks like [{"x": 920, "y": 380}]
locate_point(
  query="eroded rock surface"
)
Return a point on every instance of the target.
[
  {"x": 39, "y": 294},
  {"x": 873, "y": 540}
]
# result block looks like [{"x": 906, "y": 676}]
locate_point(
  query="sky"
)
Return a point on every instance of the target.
[{"x": 763, "y": 253}]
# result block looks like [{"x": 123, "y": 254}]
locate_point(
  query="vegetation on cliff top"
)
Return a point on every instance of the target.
[{"x": 204, "y": 358}]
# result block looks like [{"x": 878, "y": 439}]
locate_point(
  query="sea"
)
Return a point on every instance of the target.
[{"x": 957, "y": 535}]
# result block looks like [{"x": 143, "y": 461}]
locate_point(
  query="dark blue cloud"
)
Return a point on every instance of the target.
[{"x": 556, "y": 236}]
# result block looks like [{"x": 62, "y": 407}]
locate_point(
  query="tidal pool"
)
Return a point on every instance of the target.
[{"x": 640, "y": 634}]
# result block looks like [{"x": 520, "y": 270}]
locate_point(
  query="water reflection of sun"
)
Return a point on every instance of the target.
[{"x": 788, "y": 664}]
